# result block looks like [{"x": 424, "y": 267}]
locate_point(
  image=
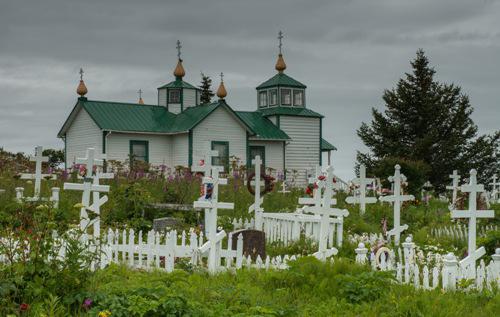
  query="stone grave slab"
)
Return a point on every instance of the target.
[
  {"x": 254, "y": 242},
  {"x": 161, "y": 224}
]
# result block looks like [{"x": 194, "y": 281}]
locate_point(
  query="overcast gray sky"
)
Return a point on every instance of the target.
[{"x": 346, "y": 52}]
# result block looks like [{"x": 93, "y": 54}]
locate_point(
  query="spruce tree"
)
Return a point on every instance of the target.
[
  {"x": 206, "y": 93},
  {"x": 430, "y": 122}
]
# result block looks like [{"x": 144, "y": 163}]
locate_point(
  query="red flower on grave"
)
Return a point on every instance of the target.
[
  {"x": 322, "y": 177},
  {"x": 24, "y": 307}
]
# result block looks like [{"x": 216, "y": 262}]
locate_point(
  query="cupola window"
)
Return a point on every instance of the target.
[
  {"x": 263, "y": 98},
  {"x": 298, "y": 98},
  {"x": 286, "y": 97},
  {"x": 273, "y": 97},
  {"x": 174, "y": 96}
]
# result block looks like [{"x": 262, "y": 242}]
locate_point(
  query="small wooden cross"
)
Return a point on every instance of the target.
[
  {"x": 363, "y": 182},
  {"x": 454, "y": 186},
  {"x": 38, "y": 159},
  {"x": 280, "y": 38},
  {"x": 140, "y": 93},
  {"x": 81, "y": 73}
]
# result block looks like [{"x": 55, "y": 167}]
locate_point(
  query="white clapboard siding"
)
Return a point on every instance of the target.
[
  {"x": 274, "y": 153},
  {"x": 174, "y": 107},
  {"x": 220, "y": 125},
  {"x": 118, "y": 147},
  {"x": 162, "y": 97},
  {"x": 180, "y": 149},
  {"x": 189, "y": 98},
  {"x": 81, "y": 135},
  {"x": 302, "y": 152}
]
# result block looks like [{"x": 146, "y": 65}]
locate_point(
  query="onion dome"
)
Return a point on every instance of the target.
[
  {"x": 81, "y": 89},
  {"x": 221, "y": 91},
  {"x": 179, "y": 71},
  {"x": 280, "y": 64}
]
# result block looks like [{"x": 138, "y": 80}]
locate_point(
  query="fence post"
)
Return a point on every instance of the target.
[
  {"x": 450, "y": 272},
  {"x": 361, "y": 252},
  {"x": 408, "y": 250},
  {"x": 239, "y": 251}
]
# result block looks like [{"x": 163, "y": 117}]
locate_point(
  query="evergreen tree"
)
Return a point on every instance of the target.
[
  {"x": 206, "y": 93},
  {"x": 428, "y": 121}
]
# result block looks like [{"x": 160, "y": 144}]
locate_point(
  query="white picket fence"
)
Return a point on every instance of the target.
[
  {"x": 447, "y": 275},
  {"x": 289, "y": 227},
  {"x": 460, "y": 232}
]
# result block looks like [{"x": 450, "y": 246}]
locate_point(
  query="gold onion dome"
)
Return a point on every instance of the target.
[
  {"x": 81, "y": 89},
  {"x": 280, "y": 64},
  {"x": 221, "y": 91},
  {"x": 179, "y": 71}
]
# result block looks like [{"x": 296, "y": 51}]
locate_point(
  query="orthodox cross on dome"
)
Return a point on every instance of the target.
[
  {"x": 140, "y": 93},
  {"x": 178, "y": 47},
  {"x": 473, "y": 254},
  {"x": 81, "y": 72},
  {"x": 222, "y": 77},
  {"x": 280, "y": 38}
]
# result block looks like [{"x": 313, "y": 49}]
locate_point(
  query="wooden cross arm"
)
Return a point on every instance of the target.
[
  {"x": 357, "y": 200},
  {"x": 39, "y": 158},
  {"x": 252, "y": 206},
  {"x": 324, "y": 254},
  {"x": 468, "y": 214},
  {"x": 472, "y": 188},
  {"x": 471, "y": 258},
  {"x": 209, "y": 180},
  {"x": 207, "y": 245},
  {"x": 393, "y": 231},
  {"x": 100, "y": 202},
  {"x": 212, "y": 204}
]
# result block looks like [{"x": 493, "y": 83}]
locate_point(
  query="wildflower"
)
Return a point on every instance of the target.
[
  {"x": 105, "y": 313},
  {"x": 87, "y": 303},
  {"x": 78, "y": 205},
  {"x": 24, "y": 307}
]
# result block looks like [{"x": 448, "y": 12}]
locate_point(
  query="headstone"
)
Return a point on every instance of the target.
[
  {"x": 163, "y": 224},
  {"x": 397, "y": 198},
  {"x": 362, "y": 182},
  {"x": 468, "y": 264},
  {"x": 454, "y": 187},
  {"x": 254, "y": 242}
]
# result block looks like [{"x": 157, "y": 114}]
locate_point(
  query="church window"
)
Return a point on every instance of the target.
[
  {"x": 222, "y": 159},
  {"x": 273, "y": 97},
  {"x": 298, "y": 98},
  {"x": 263, "y": 98},
  {"x": 286, "y": 97},
  {"x": 139, "y": 150},
  {"x": 174, "y": 96}
]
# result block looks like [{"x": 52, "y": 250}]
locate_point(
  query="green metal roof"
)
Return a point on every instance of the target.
[
  {"x": 262, "y": 126},
  {"x": 131, "y": 117},
  {"x": 179, "y": 83},
  {"x": 327, "y": 146},
  {"x": 118, "y": 116},
  {"x": 289, "y": 111},
  {"x": 281, "y": 79}
]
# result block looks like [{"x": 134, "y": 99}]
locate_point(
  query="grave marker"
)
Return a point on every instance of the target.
[
  {"x": 469, "y": 262},
  {"x": 362, "y": 182},
  {"x": 211, "y": 204},
  {"x": 455, "y": 179},
  {"x": 258, "y": 201},
  {"x": 322, "y": 207},
  {"x": 38, "y": 158},
  {"x": 495, "y": 188},
  {"x": 397, "y": 199}
]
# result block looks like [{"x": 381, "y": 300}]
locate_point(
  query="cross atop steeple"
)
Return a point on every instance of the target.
[
  {"x": 179, "y": 46},
  {"x": 222, "y": 77},
  {"x": 81, "y": 73},
  {"x": 280, "y": 37},
  {"x": 140, "y": 93}
]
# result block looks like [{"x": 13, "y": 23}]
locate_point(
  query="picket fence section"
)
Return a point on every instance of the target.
[
  {"x": 447, "y": 275},
  {"x": 460, "y": 232},
  {"x": 289, "y": 227}
]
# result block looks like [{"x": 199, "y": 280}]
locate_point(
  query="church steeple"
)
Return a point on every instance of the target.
[
  {"x": 221, "y": 91},
  {"x": 280, "y": 63},
  {"x": 141, "y": 102}
]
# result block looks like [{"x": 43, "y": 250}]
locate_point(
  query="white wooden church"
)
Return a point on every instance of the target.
[{"x": 179, "y": 130}]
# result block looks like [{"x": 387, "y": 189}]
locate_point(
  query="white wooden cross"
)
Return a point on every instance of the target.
[
  {"x": 397, "y": 198},
  {"x": 469, "y": 263},
  {"x": 38, "y": 159},
  {"x": 97, "y": 200},
  {"x": 455, "y": 179},
  {"x": 362, "y": 182},
  {"x": 208, "y": 170},
  {"x": 323, "y": 208},
  {"x": 88, "y": 187},
  {"x": 212, "y": 205},
  {"x": 495, "y": 188},
  {"x": 316, "y": 182},
  {"x": 256, "y": 207}
]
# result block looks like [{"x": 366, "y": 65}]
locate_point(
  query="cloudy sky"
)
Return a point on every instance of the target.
[{"x": 346, "y": 52}]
